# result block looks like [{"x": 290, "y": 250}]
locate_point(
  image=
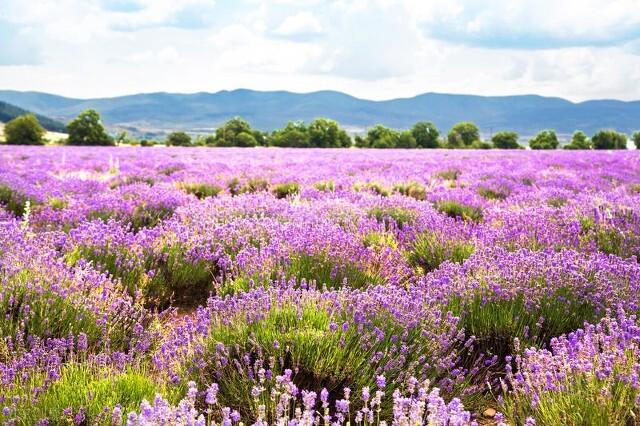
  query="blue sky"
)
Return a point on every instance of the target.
[{"x": 377, "y": 49}]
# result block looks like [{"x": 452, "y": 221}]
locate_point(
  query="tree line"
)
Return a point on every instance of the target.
[{"x": 87, "y": 129}]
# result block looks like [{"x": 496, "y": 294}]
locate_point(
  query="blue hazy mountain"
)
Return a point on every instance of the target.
[{"x": 268, "y": 110}]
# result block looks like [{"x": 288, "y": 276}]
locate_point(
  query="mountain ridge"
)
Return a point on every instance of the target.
[{"x": 268, "y": 110}]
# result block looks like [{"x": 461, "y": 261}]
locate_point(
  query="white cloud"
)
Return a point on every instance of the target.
[
  {"x": 300, "y": 24},
  {"x": 376, "y": 49}
]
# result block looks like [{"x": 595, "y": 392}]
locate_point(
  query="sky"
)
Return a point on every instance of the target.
[{"x": 373, "y": 49}]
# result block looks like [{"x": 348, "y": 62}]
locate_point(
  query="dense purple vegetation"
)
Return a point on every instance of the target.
[{"x": 268, "y": 286}]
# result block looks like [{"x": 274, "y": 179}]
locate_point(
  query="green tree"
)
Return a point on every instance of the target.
[
  {"x": 579, "y": 140},
  {"x": 235, "y": 132},
  {"x": 505, "y": 140},
  {"x": 325, "y": 133},
  {"x": 87, "y": 129},
  {"x": 178, "y": 139},
  {"x": 463, "y": 134},
  {"x": 636, "y": 138},
  {"x": 546, "y": 139},
  {"x": 426, "y": 134},
  {"x": 406, "y": 140},
  {"x": 609, "y": 139},
  {"x": 294, "y": 135},
  {"x": 382, "y": 137},
  {"x": 24, "y": 130}
]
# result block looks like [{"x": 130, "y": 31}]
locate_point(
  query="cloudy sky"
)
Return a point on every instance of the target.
[{"x": 376, "y": 49}]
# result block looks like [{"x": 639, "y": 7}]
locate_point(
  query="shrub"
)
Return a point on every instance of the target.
[
  {"x": 399, "y": 216},
  {"x": 462, "y": 135},
  {"x": 425, "y": 134},
  {"x": 579, "y": 140},
  {"x": 14, "y": 201},
  {"x": 284, "y": 190},
  {"x": 609, "y": 139},
  {"x": 429, "y": 250},
  {"x": 450, "y": 174},
  {"x": 636, "y": 139},
  {"x": 505, "y": 140},
  {"x": 178, "y": 139},
  {"x": 493, "y": 193},
  {"x": 546, "y": 139},
  {"x": 412, "y": 189},
  {"x": 326, "y": 186},
  {"x": 24, "y": 130},
  {"x": 458, "y": 210},
  {"x": 327, "y": 272},
  {"x": 201, "y": 190}
]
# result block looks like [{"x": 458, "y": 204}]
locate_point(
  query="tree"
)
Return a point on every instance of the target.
[
  {"x": 463, "y": 134},
  {"x": 426, "y": 134},
  {"x": 235, "y": 132},
  {"x": 294, "y": 135},
  {"x": 178, "y": 139},
  {"x": 325, "y": 133},
  {"x": 636, "y": 139},
  {"x": 505, "y": 140},
  {"x": 545, "y": 139},
  {"x": 579, "y": 140},
  {"x": 609, "y": 139},
  {"x": 24, "y": 130},
  {"x": 406, "y": 140},
  {"x": 87, "y": 129}
]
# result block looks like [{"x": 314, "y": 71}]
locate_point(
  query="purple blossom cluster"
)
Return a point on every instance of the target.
[{"x": 277, "y": 286}]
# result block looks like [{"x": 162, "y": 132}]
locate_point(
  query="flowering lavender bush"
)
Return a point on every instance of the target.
[{"x": 176, "y": 286}]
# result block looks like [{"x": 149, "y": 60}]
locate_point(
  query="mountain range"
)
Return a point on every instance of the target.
[
  {"x": 8, "y": 112},
  {"x": 268, "y": 110}
]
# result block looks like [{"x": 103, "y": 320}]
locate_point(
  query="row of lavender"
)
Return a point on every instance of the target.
[{"x": 314, "y": 287}]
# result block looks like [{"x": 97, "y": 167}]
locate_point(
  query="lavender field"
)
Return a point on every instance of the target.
[{"x": 195, "y": 286}]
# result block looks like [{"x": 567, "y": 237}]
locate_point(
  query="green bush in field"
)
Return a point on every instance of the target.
[
  {"x": 412, "y": 189},
  {"x": 458, "y": 210},
  {"x": 14, "y": 201},
  {"x": 546, "y": 139},
  {"x": 397, "y": 215},
  {"x": 284, "y": 190},
  {"x": 201, "y": 190},
  {"x": 505, "y": 140},
  {"x": 428, "y": 250},
  {"x": 24, "y": 130}
]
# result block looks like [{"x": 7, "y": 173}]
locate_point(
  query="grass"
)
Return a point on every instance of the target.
[
  {"x": 325, "y": 271},
  {"x": 14, "y": 201},
  {"x": 449, "y": 174},
  {"x": 164, "y": 278},
  {"x": 374, "y": 187},
  {"x": 399, "y": 216},
  {"x": 429, "y": 250},
  {"x": 458, "y": 210},
  {"x": 90, "y": 389},
  {"x": 201, "y": 190},
  {"x": 411, "y": 189},
  {"x": 493, "y": 194},
  {"x": 581, "y": 403},
  {"x": 325, "y": 186},
  {"x": 284, "y": 190}
]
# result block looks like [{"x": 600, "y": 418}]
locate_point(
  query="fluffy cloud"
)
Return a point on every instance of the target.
[{"x": 577, "y": 49}]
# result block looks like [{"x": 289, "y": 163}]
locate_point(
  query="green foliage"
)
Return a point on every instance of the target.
[
  {"x": 425, "y": 134},
  {"x": 482, "y": 145},
  {"x": 462, "y": 135},
  {"x": 579, "y": 402},
  {"x": 14, "y": 201},
  {"x": 493, "y": 193},
  {"x": 383, "y": 137},
  {"x": 294, "y": 135},
  {"x": 636, "y": 139},
  {"x": 449, "y": 174},
  {"x": 458, "y": 210},
  {"x": 579, "y": 140},
  {"x": 8, "y": 112},
  {"x": 429, "y": 249},
  {"x": 326, "y": 186},
  {"x": 87, "y": 129},
  {"x": 178, "y": 139},
  {"x": 545, "y": 139},
  {"x": 236, "y": 132},
  {"x": 325, "y": 271},
  {"x": 325, "y": 133},
  {"x": 24, "y": 130},
  {"x": 505, "y": 140},
  {"x": 201, "y": 190},
  {"x": 396, "y": 215},
  {"x": 147, "y": 142},
  {"x": 374, "y": 187},
  {"x": 609, "y": 139},
  {"x": 284, "y": 190},
  {"x": 91, "y": 388},
  {"x": 411, "y": 189}
]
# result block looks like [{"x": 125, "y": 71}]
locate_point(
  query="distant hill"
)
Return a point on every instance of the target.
[
  {"x": 526, "y": 114},
  {"x": 8, "y": 112}
]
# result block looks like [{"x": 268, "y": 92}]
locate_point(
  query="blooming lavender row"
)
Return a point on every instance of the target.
[{"x": 278, "y": 286}]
